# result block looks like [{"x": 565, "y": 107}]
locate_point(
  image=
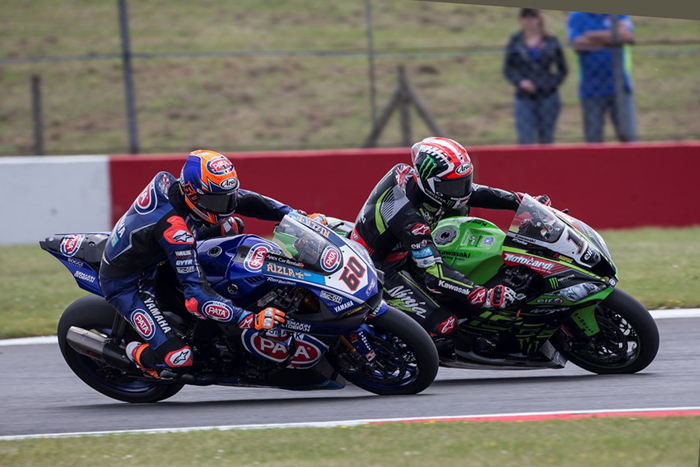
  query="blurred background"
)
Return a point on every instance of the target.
[{"x": 252, "y": 75}]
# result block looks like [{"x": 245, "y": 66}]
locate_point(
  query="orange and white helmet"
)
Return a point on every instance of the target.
[
  {"x": 210, "y": 184},
  {"x": 444, "y": 171}
]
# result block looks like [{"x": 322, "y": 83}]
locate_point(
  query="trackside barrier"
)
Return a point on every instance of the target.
[
  {"x": 46, "y": 195},
  {"x": 606, "y": 185}
]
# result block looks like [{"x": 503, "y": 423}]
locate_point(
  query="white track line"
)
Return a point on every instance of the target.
[
  {"x": 657, "y": 314},
  {"x": 332, "y": 424}
]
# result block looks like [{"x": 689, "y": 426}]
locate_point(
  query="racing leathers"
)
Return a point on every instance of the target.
[
  {"x": 395, "y": 224},
  {"x": 159, "y": 227}
]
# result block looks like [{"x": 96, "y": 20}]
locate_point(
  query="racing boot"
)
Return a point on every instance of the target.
[{"x": 143, "y": 357}]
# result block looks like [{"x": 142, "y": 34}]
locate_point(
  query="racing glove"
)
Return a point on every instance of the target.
[
  {"x": 497, "y": 297},
  {"x": 232, "y": 226},
  {"x": 266, "y": 319},
  {"x": 320, "y": 218},
  {"x": 544, "y": 199}
]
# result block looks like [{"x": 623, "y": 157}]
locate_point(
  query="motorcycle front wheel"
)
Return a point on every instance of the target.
[
  {"x": 95, "y": 314},
  {"x": 406, "y": 359},
  {"x": 627, "y": 342}
]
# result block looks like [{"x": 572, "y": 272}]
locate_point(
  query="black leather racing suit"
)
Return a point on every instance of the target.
[{"x": 394, "y": 225}]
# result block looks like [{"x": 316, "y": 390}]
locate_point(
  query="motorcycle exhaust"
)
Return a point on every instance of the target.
[{"x": 93, "y": 345}]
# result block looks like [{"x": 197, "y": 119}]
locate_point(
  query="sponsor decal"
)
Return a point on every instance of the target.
[
  {"x": 230, "y": 183},
  {"x": 143, "y": 324},
  {"x": 542, "y": 267},
  {"x": 331, "y": 297},
  {"x": 371, "y": 286},
  {"x": 344, "y": 306},
  {"x": 184, "y": 253},
  {"x": 71, "y": 244},
  {"x": 463, "y": 169},
  {"x": 255, "y": 258},
  {"x": 284, "y": 271},
  {"x": 445, "y": 236},
  {"x": 76, "y": 262},
  {"x": 297, "y": 326},
  {"x": 220, "y": 165},
  {"x": 591, "y": 256},
  {"x": 488, "y": 241},
  {"x": 474, "y": 239},
  {"x": 453, "y": 287},
  {"x": 155, "y": 312},
  {"x": 361, "y": 343},
  {"x": 419, "y": 245},
  {"x": 554, "y": 301},
  {"x": 147, "y": 200},
  {"x": 180, "y": 357},
  {"x": 187, "y": 270},
  {"x": 407, "y": 301},
  {"x": 218, "y": 311},
  {"x": 283, "y": 260},
  {"x": 478, "y": 297},
  {"x": 178, "y": 233},
  {"x": 420, "y": 229},
  {"x": 330, "y": 259},
  {"x": 424, "y": 253},
  {"x": 247, "y": 322},
  {"x": 546, "y": 311},
  {"x": 83, "y": 276},
  {"x": 447, "y": 326},
  {"x": 426, "y": 262},
  {"x": 456, "y": 254},
  {"x": 164, "y": 185},
  {"x": 184, "y": 262},
  {"x": 315, "y": 226},
  {"x": 521, "y": 240},
  {"x": 275, "y": 346}
]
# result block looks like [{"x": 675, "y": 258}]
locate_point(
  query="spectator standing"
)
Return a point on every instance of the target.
[
  {"x": 599, "y": 47},
  {"x": 535, "y": 64}
]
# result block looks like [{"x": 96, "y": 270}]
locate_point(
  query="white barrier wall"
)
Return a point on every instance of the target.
[{"x": 40, "y": 196}]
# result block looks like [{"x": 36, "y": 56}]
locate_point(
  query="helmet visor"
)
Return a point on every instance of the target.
[
  {"x": 455, "y": 188},
  {"x": 219, "y": 203}
]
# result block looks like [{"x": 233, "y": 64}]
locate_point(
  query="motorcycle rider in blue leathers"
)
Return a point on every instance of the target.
[{"x": 164, "y": 224}]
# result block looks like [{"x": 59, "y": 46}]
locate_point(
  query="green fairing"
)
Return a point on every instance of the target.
[
  {"x": 285, "y": 241},
  {"x": 460, "y": 241},
  {"x": 585, "y": 317}
]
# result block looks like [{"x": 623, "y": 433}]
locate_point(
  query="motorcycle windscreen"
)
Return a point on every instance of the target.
[
  {"x": 307, "y": 246},
  {"x": 537, "y": 224}
]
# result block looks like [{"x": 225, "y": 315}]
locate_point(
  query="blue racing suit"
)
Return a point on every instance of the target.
[{"x": 159, "y": 227}]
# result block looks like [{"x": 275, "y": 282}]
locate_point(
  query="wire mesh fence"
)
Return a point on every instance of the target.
[{"x": 228, "y": 96}]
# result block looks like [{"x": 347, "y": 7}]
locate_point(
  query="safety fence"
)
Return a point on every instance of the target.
[
  {"x": 607, "y": 186},
  {"x": 318, "y": 78}
]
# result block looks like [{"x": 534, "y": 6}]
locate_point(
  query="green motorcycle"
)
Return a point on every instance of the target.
[{"x": 568, "y": 307}]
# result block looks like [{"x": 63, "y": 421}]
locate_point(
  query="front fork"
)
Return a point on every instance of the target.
[{"x": 358, "y": 344}]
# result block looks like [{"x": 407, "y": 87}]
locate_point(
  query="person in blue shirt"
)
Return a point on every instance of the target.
[
  {"x": 591, "y": 36},
  {"x": 535, "y": 65}
]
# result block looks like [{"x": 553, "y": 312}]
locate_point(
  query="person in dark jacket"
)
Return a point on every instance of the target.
[{"x": 531, "y": 57}]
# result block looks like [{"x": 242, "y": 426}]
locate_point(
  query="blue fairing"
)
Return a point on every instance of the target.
[
  {"x": 226, "y": 271},
  {"x": 82, "y": 272}
]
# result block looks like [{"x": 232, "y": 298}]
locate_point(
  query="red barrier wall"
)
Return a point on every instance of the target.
[{"x": 607, "y": 186}]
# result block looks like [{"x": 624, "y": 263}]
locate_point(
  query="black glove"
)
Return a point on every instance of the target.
[
  {"x": 497, "y": 297},
  {"x": 544, "y": 199}
]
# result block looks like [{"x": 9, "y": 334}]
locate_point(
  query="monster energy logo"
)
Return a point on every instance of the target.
[
  {"x": 427, "y": 167},
  {"x": 553, "y": 282}
]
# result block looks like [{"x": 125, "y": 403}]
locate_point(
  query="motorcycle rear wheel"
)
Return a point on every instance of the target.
[
  {"x": 406, "y": 359},
  {"x": 95, "y": 314},
  {"x": 627, "y": 342}
]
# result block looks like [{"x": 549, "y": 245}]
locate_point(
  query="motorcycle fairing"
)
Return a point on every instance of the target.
[{"x": 81, "y": 254}]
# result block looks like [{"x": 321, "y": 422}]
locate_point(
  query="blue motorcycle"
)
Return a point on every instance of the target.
[{"x": 338, "y": 327}]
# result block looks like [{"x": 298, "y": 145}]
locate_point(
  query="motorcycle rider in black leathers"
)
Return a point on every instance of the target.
[
  {"x": 163, "y": 225},
  {"x": 395, "y": 224}
]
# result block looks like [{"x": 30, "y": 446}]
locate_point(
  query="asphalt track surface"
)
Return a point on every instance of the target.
[{"x": 39, "y": 394}]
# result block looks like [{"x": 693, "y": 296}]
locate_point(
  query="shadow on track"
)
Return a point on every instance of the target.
[{"x": 533, "y": 379}]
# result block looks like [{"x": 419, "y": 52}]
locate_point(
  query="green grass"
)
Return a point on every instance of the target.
[
  {"x": 287, "y": 102},
  {"x": 618, "y": 442},
  {"x": 657, "y": 266}
]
